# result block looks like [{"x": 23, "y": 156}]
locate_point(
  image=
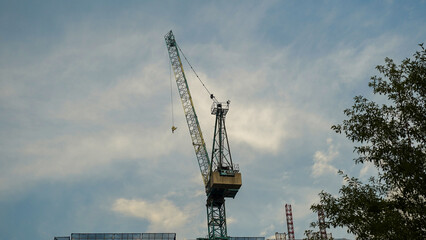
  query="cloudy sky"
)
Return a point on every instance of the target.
[{"x": 85, "y": 110}]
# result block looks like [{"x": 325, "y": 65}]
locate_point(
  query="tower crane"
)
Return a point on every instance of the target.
[{"x": 221, "y": 177}]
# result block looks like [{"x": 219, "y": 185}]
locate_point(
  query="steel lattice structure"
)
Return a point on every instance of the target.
[
  {"x": 188, "y": 108},
  {"x": 289, "y": 216},
  {"x": 220, "y": 177},
  {"x": 321, "y": 223},
  {"x": 221, "y": 153},
  {"x": 216, "y": 217}
]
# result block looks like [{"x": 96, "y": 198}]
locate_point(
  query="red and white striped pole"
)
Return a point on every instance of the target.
[{"x": 289, "y": 216}]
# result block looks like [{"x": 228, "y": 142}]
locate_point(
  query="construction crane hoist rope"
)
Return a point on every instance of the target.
[{"x": 221, "y": 177}]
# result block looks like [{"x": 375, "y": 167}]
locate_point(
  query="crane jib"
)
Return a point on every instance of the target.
[{"x": 189, "y": 110}]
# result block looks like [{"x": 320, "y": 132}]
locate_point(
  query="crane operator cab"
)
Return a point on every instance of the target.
[{"x": 225, "y": 184}]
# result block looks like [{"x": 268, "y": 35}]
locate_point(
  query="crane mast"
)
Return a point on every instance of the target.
[{"x": 221, "y": 177}]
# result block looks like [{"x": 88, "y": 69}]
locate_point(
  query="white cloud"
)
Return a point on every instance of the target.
[
  {"x": 262, "y": 127},
  {"x": 76, "y": 123},
  {"x": 267, "y": 230},
  {"x": 163, "y": 216},
  {"x": 77, "y": 155},
  {"x": 368, "y": 169},
  {"x": 322, "y": 161},
  {"x": 127, "y": 92},
  {"x": 352, "y": 63},
  {"x": 230, "y": 220}
]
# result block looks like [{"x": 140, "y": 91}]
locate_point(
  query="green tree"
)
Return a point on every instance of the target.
[
  {"x": 312, "y": 235},
  {"x": 392, "y": 136}
]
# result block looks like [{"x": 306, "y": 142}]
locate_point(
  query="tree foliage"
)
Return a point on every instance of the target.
[
  {"x": 312, "y": 235},
  {"x": 392, "y": 136}
]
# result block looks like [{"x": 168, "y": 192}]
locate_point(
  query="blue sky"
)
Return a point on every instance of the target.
[{"x": 85, "y": 113}]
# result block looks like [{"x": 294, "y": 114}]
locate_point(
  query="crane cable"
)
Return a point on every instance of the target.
[
  {"x": 211, "y": 95},
  {"x": 171, "y": 99}
]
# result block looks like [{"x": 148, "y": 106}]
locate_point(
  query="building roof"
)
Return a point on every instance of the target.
[{"x": 119, "y": 236}]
